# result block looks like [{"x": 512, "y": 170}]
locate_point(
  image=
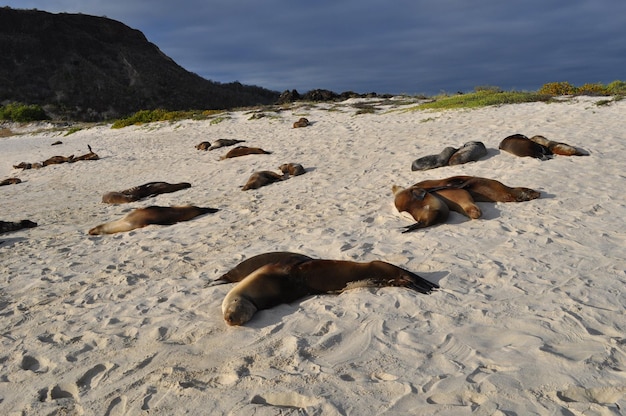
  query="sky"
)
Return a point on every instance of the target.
[{"x": 383, "y": 46}]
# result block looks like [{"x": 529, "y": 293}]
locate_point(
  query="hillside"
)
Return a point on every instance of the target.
[{"x": 93, "y": 68}]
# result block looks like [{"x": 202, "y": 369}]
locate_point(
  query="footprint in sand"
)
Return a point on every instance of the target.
[{"x": 285, "y": 399}]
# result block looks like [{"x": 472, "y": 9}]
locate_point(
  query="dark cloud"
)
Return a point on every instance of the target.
[{"x": 405, "y": 46}]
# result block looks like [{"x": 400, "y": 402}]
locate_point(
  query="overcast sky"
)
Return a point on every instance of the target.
[{"x": 384, "y": 46}]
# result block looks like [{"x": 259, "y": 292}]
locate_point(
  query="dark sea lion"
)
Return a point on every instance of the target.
[
  {"x": 151, "y": 215},
  {"x": 224, "y": 143},
  {"x": 243, "y": 151},
  {"x": 247, "y": 266},
  {"x": 293, "y": 169},
  {"x": 303, "y": 122},
  {"x": 433, "y": 161},
  {"x": 425, "y": 207},
  {"x": 58, "y": 142},
  {"x": 8, "y": 226},
  {"x": 262, "y": 178},
  {"x": 143, "y": 191},
  {"x": 559, "y": 148},
  {"x": 277, "y": 283},
  {"x": 469, "y": 152},
  {"x": 10, "y": 181},
  {"x": 522, "y": 146}
]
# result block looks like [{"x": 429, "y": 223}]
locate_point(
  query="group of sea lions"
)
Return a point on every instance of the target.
[
  {"x": 55, "y": 160},
  {"x": 537, "y": 146},
  {"x": 265, "y": 177}
]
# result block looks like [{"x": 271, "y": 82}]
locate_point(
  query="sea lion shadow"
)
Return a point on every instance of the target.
[
  {"x": 491, "y": 152},
  {"x": 8, "y": 242}
]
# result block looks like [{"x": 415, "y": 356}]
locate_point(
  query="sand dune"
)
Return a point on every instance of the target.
[{"x": 529, "y": 318}]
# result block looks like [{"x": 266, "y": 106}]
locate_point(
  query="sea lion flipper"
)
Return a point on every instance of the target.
[{"x": 412, "y": 227}]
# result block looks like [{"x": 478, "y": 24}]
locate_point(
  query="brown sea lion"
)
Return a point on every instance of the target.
[
  {"x": 303, "y": 122},
  {"x": 469, "y": 152},
  {"x": 87, "y": 156},
  {"x": 284, "y": 282},
  {"x": 559, "y": 148},
  {"x": 262, "y": 178},
  {"x": 143, "y": 191},
  {"x": 243, "y": 151},
  {"x": 8, "y": 226},
  {"x": 293, "y": 169},
  {"x": 141, "y": 217},
  {"x": 522, "y": 146},
  {"x": 58, "y": 142},
  {"x": 203, "y": 145},
  {"x": 10, "y": 181},
  {"x": 425, "y": 207},
  {"x": 224, "y": 143},
  {"x": 57, "y": 160},
  {"x": 247, "y": 266},
  {"x": 25, "y": 165},
  {"x": 481, "y": 189}
]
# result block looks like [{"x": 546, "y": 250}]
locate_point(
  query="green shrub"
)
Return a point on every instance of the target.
[
  {"x": 22, "y": 113},
  {"x": 150, "y": 116},
  {"x": 557, "y": 88},
  {"x": 482, "y": 98},
  {"x": 617, "y": 88}
]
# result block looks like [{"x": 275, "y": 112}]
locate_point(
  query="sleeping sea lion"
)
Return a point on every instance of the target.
[
  {"x": 87, "y": 156},
  {"x": 522, "y": 146},
  {"x": 262, "y": 178},
  {"x": 56, "y": 160},
  {"x": 224, "y": 143},
  {"x": 8, "y": 226},
  {"x": 469, "y": 152},
  {"x": 293, "y": 169},
  {"x": 559, "y": 148},
  {"x": 141, "y": 217},
  {"x": 10, "y": 181},
  {"x": 143, "y": 191},
  {"x": 284, "y": 282},
  {"x": 303, "y": 122},
  {"x": 247, "y": 266},
  {"x": 433, "y": 161},
  {"x": 423, "y": 206},
  {"x": 481, "y": 189},
  {"x": 243, "y": 151}
]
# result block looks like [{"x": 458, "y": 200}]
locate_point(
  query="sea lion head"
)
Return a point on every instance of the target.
[{"x": 237, "y": 309}]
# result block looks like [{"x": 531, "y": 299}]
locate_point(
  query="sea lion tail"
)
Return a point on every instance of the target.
[{"x": 412, "y": 227}]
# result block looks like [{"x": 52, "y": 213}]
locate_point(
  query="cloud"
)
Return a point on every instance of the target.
[{"x": 410, "y": 46}]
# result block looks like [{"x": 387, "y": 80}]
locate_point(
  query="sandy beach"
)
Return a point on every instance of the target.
[{"x": 530, "y": 318}]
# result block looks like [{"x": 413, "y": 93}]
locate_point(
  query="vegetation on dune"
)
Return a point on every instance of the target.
[
  {"x": 149, "y": 116},
  {"x": 488, "y": 95},
  {"x": 22, "y": 113}
]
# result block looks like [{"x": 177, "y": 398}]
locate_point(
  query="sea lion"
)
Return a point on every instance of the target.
[
  {"x": 262, "y": 178},
  {"x": 243, "y": 151},
  {"x": 141, "y": 217},
  {"x": 433, "y": 161},
  {"x": 8, "y": 226},
  {"x": 57, "y": 160},
  {"x": 203, "y": 145},
  {"x": 293, "y": 169},
  {"x": 425, "y": 207},
  {"x": 284, "y": 282},
  {"x": 58, "y": 142},
  {"x": 25, "y": 165},
  {"x": 425, "y": 200},
  {"x": 143, "y": 191},
  {"x": 481, "y": 189},
  {"x": 469, "y": 152},
  {"x": 10, "y": 181},
  {"x": 522, "y": 146},
  {"x": 303, "y": 122},
  {"x": 559, "y": 148},
  {"x": 87, "y": 156},
  {"x": 247, "y": 266}
]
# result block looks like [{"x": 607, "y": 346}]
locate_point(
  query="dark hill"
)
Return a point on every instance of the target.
[{"x": 92, "y": 68}]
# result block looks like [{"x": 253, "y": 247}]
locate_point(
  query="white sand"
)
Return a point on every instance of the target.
[{"x": 530, "y": 318}]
